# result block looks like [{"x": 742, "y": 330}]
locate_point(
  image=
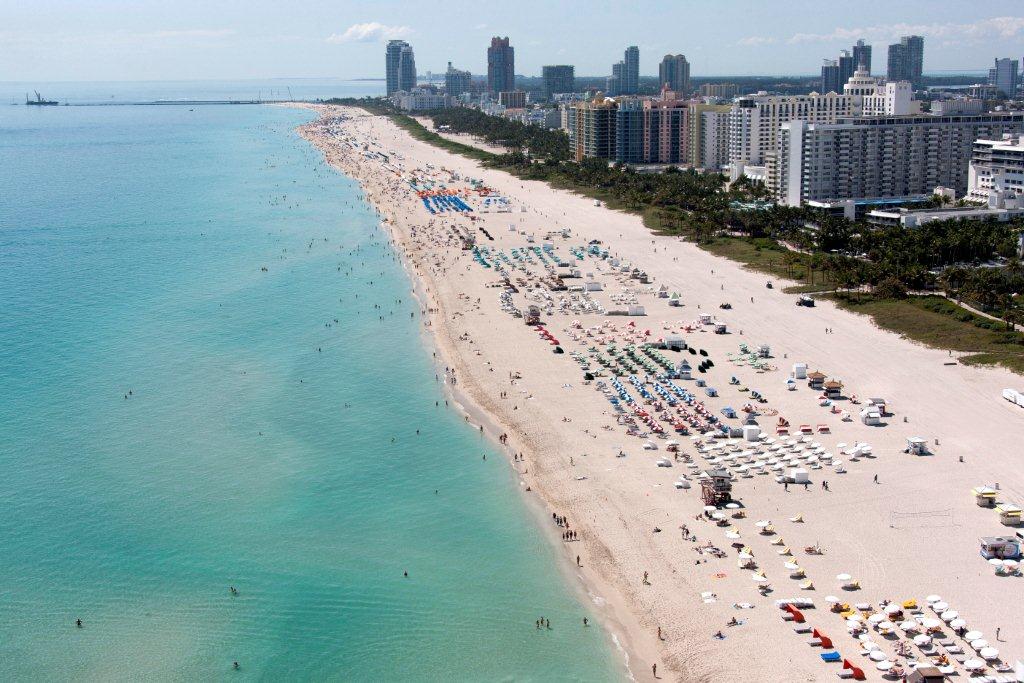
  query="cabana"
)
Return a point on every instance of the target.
[
  {"x": 926, "y": 674},
  {"x": 1000, "y": 548},
  {"x": 815, "y": 379},
  {"x": 674, "y": 342},
  {"x": 870, "y": 417},
  {"x": 684, "y": 371},
  {"x": 833, "y": 388},
  {"x": 916, "y": 446},
  {"x": 1009, "y": 514},
  {"x": 878, "y": 404},
  {"x": 799, "y": 370},
  {"x": 984, "y": 496}
]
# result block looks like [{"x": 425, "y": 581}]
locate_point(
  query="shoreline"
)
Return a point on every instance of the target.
[
  {"x": 588, "y": 586},
  {"x": 617, "y": 502}
]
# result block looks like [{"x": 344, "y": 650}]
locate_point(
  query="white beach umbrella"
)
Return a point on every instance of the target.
[
  {"x": 791, "y": 566},
  {"x": 745, "y": 556},
  {"x": 995, "y": 562},
  {"x": 855, "y": 618},
  {"x": 757, "y": 578},
  {"x": 709, "y": 508},
  {"x": 762, "y": 523},
  {"x": 886, "y": 626},
  {"x": 979, "y": 644},
  {"x": 843, "y": 577},
  {"x": 931, "y": 623},
  {"x": 832, "y": 600},
  {"x": 949, "y": 615},
  {"x": 974, "y": 664},
  {"x": 989, "y": 653},
  {"x": 940, "y": 607},
  {"x": 877, "y": 656},
  {"x": 883, "y": 665},
  {"x": 908, "y": 625},
  {"x": 973, "y": 635},
  {"x": 732, "y": 535},
  {"x": 892, "y": 608},
  {"x": 932, "y": 598},
  {"x": 958, "y": 623},
  {"x": 922, "y": 640},
  {"x": 876, "y": 618},
  {"x": 869, "y": 645},
  {"x": 732, "y": 506}
]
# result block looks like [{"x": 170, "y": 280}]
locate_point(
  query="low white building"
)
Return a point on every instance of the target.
[
  {"x": 420, "y": 100},
  {"x": 996, "y": 173}
]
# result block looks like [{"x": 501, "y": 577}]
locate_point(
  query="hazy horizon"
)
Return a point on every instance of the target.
[{"x": 110, "y": 40}]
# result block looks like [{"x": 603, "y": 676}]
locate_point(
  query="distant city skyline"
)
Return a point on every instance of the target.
[{"x": 67, "y": 40}]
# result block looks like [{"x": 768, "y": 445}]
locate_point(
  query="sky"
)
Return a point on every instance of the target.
[{"x": 87, "y": 40}]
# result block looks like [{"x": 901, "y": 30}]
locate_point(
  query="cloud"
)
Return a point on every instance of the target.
[
  {"x": 996, "y": 28},
  {"x": 370, "y": 32},
  {"x": 754, "y": 41}
]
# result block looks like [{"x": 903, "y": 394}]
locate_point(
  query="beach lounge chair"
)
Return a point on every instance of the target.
[
  {"x": 801, "y": 629},
  {"x": 807, "y": 586},
  {"x": 832, "y": 656}
]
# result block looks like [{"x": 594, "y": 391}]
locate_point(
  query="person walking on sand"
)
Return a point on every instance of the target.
[{"x": 654, "y": 669}]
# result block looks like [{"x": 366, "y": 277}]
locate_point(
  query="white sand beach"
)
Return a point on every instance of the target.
[{"x": 902, "y": 526}]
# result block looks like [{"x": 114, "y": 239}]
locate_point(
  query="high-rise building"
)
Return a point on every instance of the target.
[
  {"x": 399, "y": 67},
  {"x": 862, "y": 55},
  {"x": 997, "y": 170},
  {"x": 629, "y": 131},
  {"x": 836, "y": 72},
  {"x": 875, "y": 97},
  {"x": 666, "y": 130},
  {"x": 512, "y": 99},
  {"x": 501, "y": 66},
  {"x": 906, "y": 60},
  {"x": 457, "y": 82},
  {"x": 631, "y": 71},
  {"x": 830, "y": 81},
  {"x": 560, "y": 78},
  {"x": 754, "y": 121},
  {"x": 724, "y": 91},
  {"x": 594, "y": 129},
  {"x": 863, "y": 158},
  {"x": 709, "y": 135},
  {"x": 614, "y": 83},
  {"x": 1004, "y": 77},
  {"x": 674, "y": 73}
]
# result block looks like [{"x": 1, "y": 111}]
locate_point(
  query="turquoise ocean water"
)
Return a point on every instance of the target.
[{"x": 269, "y": 442}]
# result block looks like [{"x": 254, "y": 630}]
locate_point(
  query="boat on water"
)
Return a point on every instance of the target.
[{"x": 39, "y": 101}]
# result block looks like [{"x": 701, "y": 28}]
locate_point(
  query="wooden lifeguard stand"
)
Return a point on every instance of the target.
[{"x": 716, "y": 490}]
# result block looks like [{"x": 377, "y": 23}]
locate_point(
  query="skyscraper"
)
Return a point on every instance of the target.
[
  {"x": 501, "y": 66},
  {"x": 830, "y": 78},
  {"x": 399, "y": 67},
  {"x": 559, "y": 78},
  {"x": 406, "y": 68},
  {"x": 847, "y": 67},
  {"x": 457, "y": 82},
  {"x": 614, "y": 82},
  {"x": 674, "y": 74},
  {"x": 862, "y": 55},
  {"x": 906, "y": 60},
  {"x": 631, "y": 71},
  {"x": 1004, "y": 77}
]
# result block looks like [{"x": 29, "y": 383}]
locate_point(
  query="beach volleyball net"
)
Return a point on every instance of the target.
[{"x": 924, "y": 519}]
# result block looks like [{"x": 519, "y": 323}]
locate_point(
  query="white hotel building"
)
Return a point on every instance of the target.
[{"x": 996, "y": 174}]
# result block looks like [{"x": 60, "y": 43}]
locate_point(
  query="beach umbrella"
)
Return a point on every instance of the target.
[
  {"x": 876, "y": 618},
  {"x": 972, "y": 635},
  {"x": 732, "y": 535},
  {"x": 865, "y": 638},
  {"x": 761, "y": 524},
  {"x": 832, "y": 600},
  {"x": 869, "y": 645},
  {"x": 979, "y": 644},
  {"x": 877, "y": 656},
  {"x": 958, "y": 623},
  {"x": 883, "y": 665},
  {"x": 932, "y": 598},
  {"x": 855, "y": 618},
  {"x": 995, "y": 562},
  {"x": 989, "y": 653},
  {"x": 908, "y": 625},
  {"x": 886, "y": 626},
  {"x": 974, "y": 664},
  {"x": 745, "y": 556},
  {"x": 922, "y": 640},
  {"x": 709, "y": 508},
  {"x": 732, "y": 506},
  {"x": 1011, "y": 564},
  {"x": 843, "y": 577},
  {"x": 757, "y": 578},
  {"x": 717, "y": 515},
  {"x": 893, "y": 608},
  {"x": 940, "y": 607},
  {"x": 949, "y": 615},
  {"x": 931, "y": 623},
  {"x": 791, "y": 566}
]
